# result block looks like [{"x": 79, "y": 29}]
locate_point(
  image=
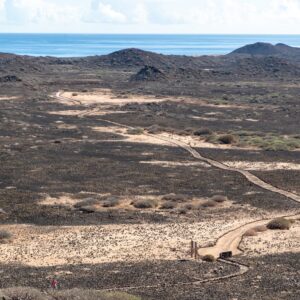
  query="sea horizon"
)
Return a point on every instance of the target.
[{"x": 88, "y": 44}]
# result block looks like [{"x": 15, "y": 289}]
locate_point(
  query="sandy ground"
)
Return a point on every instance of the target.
[
  {"x": 51, "y": 246},
  {"x": 261, "y": 166},
  {"x": 5, "y": 98},
  {"x": 273, "y": 241},
  {"x": 107, "y": 96}
]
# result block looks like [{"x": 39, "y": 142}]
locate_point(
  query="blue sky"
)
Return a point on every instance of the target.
[{"x": 151, "y": 16}]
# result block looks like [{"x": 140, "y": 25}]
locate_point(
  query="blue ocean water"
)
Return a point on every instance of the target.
[{"x": 76, "y": 45}]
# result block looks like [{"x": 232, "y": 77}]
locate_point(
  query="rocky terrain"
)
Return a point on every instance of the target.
[{"x": 111, "y": 165}]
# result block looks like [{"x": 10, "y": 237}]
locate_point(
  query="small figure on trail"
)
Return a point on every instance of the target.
[{"x": 54, "y": 284}]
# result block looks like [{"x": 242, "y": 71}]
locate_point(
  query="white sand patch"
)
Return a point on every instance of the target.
[
  {"x": 262, "y": 166},
  {"x": 107, "y": 96},
  {"x": 273, "y": 242},
  {"x": 139, "y": 138},
  {"x": 51, "y": 246},
  {"x": 6, "y": 98},
  {"x": 95, "y": 112}
]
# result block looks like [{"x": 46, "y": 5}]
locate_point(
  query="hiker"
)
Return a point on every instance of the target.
[{"x": 54, "y": 284}]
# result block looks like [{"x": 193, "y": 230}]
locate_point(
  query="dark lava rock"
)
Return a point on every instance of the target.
[{"x": 149, "y": 73}]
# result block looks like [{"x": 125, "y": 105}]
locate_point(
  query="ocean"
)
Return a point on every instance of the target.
[{"x": 78, "y": 45}]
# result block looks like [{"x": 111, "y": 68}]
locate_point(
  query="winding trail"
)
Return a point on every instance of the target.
[{"x": 232, "y": 239}]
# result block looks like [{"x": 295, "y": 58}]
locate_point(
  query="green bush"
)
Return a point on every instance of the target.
[{"x": 279, "y": 224}]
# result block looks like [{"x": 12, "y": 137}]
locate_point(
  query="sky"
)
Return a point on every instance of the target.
[{"x": 151, "y": 16}]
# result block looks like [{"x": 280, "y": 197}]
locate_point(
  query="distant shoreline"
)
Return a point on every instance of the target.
[{"x": 83, "y": 45}]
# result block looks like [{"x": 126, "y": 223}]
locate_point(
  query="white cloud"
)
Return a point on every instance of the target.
[{"x": 182, "y": 16}]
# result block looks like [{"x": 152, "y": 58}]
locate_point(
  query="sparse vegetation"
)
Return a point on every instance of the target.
[
  {"x": 74, "y": 94},
  {"x": 189, "y": 206},
  {"x": 279, "y": 224},
  {"x": 209, "y": 258},
  {"x": 250, "y": 232},
  {"x": 175, "y": 197},
  {"x": 268, "y": 141},
  {"x": 87, "y": 202},
  {"x": 135, "y": 131},
  {"x": 208, "y": 203},
  {"x": 111, "y": 202},
  {"x": 168, "y": 205},
  {"x": 27, "y": 293},
  {"x": 155, "y": 129},
  {"x": 219, "y": 198},
  {"x": 261, "y": 228},
  {"x": 203, "y": 131},
  {"x": 145, "y": 203},
  {"x": 227, "y": 139}
]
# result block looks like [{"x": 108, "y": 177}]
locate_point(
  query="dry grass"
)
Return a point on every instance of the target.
[{"x": 144, "y": 204}]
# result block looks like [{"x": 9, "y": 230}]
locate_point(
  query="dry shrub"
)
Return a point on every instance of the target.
[
  {"x": 227, "y": 139},
  {"x": 5, "y": 235},
  {"x": 182, "y": 211},
  {"x": 87, "y": 202},
  {"x": 279, "y": 224},
  {"x": 261, "y": 228},
  {"x": 189, "y": 206},
  {"x": 219, "y": 198},
  {"x": 208, "y": 203},
  {"x": 74, "y": 94},
  {"x": 145, "y": 203},
  {"x": 135, "y": 131},
  {"x": 168, "y": 205},
  {"x": 209, "y": 258},
  {"x": 202, "y": 131},
  {"x": 175, "y": 197},
  {"x": 250, "y": 232},
  {"x": 154, "y": 129},
  {"x": 111, "y": 202}
]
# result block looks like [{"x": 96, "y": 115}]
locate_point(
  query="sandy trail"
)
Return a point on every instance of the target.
[{"x": 231, "y": 240}]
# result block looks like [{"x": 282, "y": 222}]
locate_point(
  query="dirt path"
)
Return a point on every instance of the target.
[{"x": 231, "y": 240}]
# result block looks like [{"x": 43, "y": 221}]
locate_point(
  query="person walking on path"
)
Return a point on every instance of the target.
[{"x": 54, "y": 284}]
